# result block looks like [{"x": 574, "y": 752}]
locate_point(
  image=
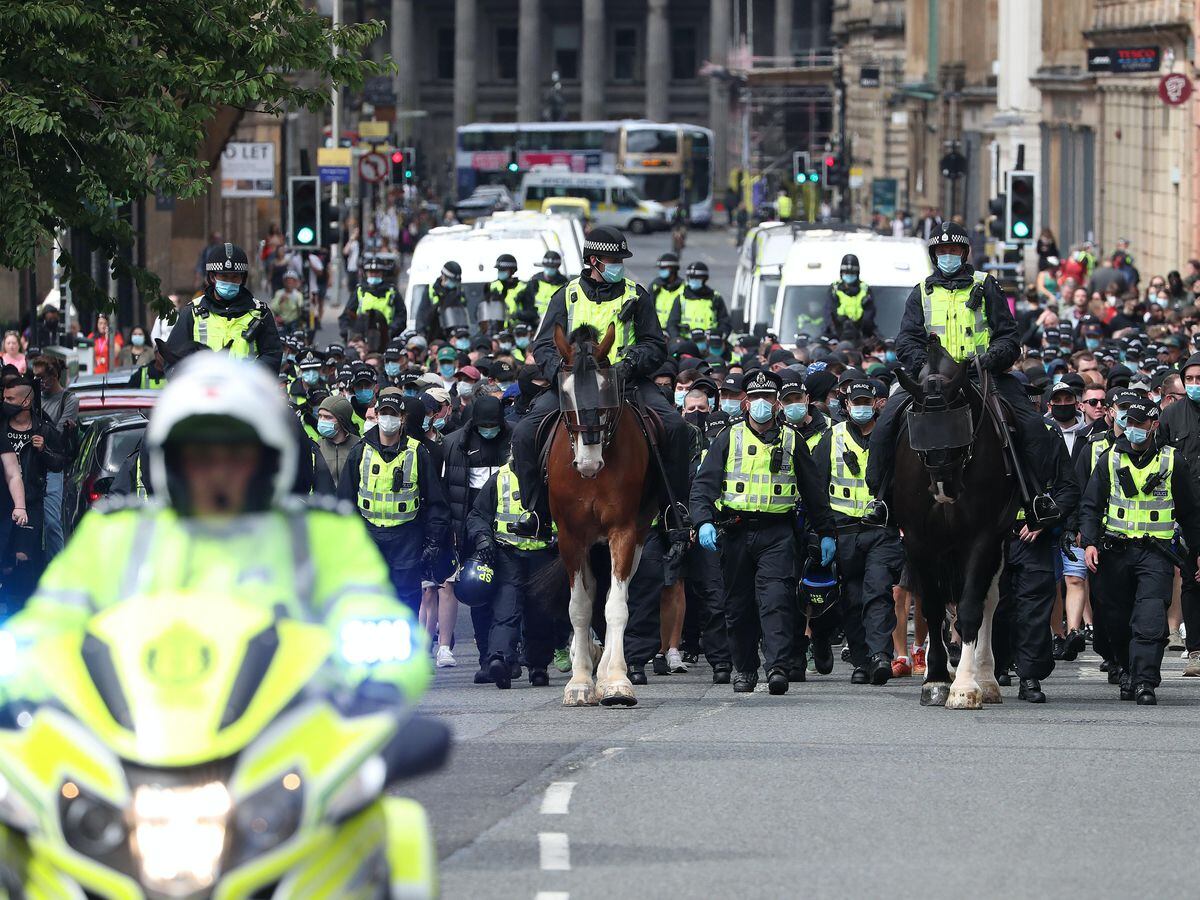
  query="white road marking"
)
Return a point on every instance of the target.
[
  {"x": 551, "y": 895},
  {"x": 557, "y": 799},
  {"x": 555, "y": 851}
]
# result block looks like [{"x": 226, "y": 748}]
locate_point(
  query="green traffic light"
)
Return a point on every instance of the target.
[
  {"x": 408, "y": 173},
  {"x": 814, "y": 177},
  {"x": 305, "y": 235},
  {"x": 512, "y": 167},
  {"x": 1021, "y": 229}
]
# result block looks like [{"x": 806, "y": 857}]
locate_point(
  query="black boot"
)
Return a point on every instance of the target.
[
  {"x": 745, "y": 682},
  {"x": 500, "y": 672},
  {"x": 1031, "y": 691},
  {"x": 1044, "y": 511},
  {"x": 860, "y": 676},
  {"x": 637, "y": 674},
  {"x": 777, "y": 681},
  {"x": 1145, "y": 695},
  {"x": 876, "y": 514},
  {"x": 659, "y": 664},
  {"x": 539, "y": 678},
  {"x": 722, "y": 674},
  {"x": 822, "y": 656},
  {"x": 880, "y": 668}
]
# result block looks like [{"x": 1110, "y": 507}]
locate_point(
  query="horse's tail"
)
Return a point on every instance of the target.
[{"x": 549, "y": 587}]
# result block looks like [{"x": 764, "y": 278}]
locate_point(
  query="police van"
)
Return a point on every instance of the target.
[
  {"x": 889, "y": 266},
  {"x": 759, "y": 268},
  {"x": 614, "y": 199},
  {"x": 563, "y": 233}
]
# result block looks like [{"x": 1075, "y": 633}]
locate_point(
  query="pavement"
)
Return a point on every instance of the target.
[{"x": 832, "y": 790}]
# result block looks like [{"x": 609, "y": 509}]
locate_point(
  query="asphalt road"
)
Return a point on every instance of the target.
[{"x": 833, "y": 790}]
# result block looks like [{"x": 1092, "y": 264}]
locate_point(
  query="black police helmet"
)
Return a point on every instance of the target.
[
  {"x": 948, "y": 234},
  {"x": 227, "y": 259},
  {"x": 452, "y": 270},
  {"x": 849, "y": 264},
  {"x": 476, "y": 584},
  {"x": 668, "y": 261},
  {"x": 697, "y": 270},
  {"x": 506, "y": 262},
  {"x": 552, "y": 258}
]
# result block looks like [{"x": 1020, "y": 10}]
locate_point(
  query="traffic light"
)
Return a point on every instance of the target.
[
  {"x": 801, "y": 164},
  {"x": 304, "y": 203},
  {"x": 997, "y": 218},
  {"x": 1021, "y": 212},
  {"x": 514, "y": 164},
  {"x": 330, "y": 223},
  {"x": 835, "y": 171},
  {"x": 404, "y": 164},
  {"x": 828, "y": 164}
]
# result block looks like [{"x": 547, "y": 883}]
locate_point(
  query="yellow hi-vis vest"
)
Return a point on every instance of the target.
[
  {"x": 387, "y": 491},
  {"x": 369, "y": 302},
  {"x": 697, "y": 312},
  {"x": 963, "y": 332},
  {"x": 1096, "y": 449},
  {"x": 850, "y": 306},
  {"x": 749, "y": 484},
  {"x": 541, "y": 300},
  {"x": 509, "y": 509},
  {"x": 509, "y": 296},
  {"x": 1143, "y": 514},
  {"x": 848, "y": 491},
  {"x": 220, "y": 333},
  {"x": 664, "y": 301},
  {"x": 582, "y": 311}
]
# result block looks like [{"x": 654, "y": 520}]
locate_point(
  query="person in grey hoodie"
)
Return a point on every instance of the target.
[{"x": 338, "y": 434}]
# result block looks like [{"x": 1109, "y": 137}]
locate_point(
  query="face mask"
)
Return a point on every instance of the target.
[
  {"x": 1163, "y": 302},
  {"x": 439, "y": 423},
  {"x": 425, "y": 424},
  {"x": 451, "y": 284},
  {"x": 1136, "y": 435},
  {"x": 139, "y": 340},
  {"x": 227, "y": 290},
  {"x": 834, "y": 404},
  {"x": 522, "y": 342},
  {"x": 613, "y": 272},
  {"x": 850, "y": 278},
  {"x": 1092, "y": 343},
  {"x": 389, "y": 424},
  {"x": 447, "y": 370},
  {"x": 694, "y": 284},
  {"x": 490, "y": 433},
  {"x": 506, "y": 346},
  {"x": 462, "y": 344},
  {"x": 702, "y": 347},
  {"x": 862, "y": 414},
  {"x": 664, "y": 274},
  {"x": 761, "y": 411},
  {"x": 679, "y": 396},
  {"x": 549, "y": 272},
  {"x": 1056, "y": 379},
  {"x": 949, "y": 263},
  {"x": 796, "y": 412},
  {"x": 1062, "y": 412},
  {"x": 890, "y": 356},
  {"x": 1121, "y": 417},
  {"x": 731, "y": 407},
  {"x": 364, "y": 395},
  {"x": 11, "y": 409},
  {"x": 310, "y": 376},
  {"x": 1193, "y": 391},
  {"x": 326, "y": 428},
  {"x": 391, "y": 369},
  {"x": 697, "y": 418},
  {"x": 374, "y": 279}
]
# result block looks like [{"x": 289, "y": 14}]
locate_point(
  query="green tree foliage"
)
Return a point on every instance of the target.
[{"x": 104, "y": 102}]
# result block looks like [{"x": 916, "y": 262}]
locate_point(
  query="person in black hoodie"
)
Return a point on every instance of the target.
[{"x": 226, "y": 316}]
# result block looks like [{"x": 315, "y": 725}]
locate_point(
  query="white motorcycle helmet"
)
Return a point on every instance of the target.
[{"x": 215, "y": 398}]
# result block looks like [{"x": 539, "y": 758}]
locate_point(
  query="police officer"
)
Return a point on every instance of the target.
[
  {"x": 507, "y": 288},
  {"x": 514, "y": 559},
  {"x": 968, "y": 311},
  {"x": 851, "y": 305},
  {"x": 444, "y": 293},
  {"x": 538, "y": 291},
  {"x": 749, "y": 483},
  {"x": 393, "y": 363},
  {"x": 729, "y": 405},
  {"x": 699, "y": 307},
  {"x": 153, "y": 375},
  {"x": 869, "y": 558},
  {"x": 798, "y": 413},
  {"x": 392, "y": 481},
  {"x": 601, "y": 297},
  {"x": 1137, "y": 496},
  {"x": 375, "y": 293},
  {"x": 667, "y": 288},
  {"x": 226, "y": 316}
]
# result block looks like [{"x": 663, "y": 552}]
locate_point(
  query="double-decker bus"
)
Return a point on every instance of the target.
[{"x": 667, "y": 162}]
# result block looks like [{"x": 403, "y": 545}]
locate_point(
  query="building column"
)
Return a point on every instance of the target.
[
  {"x": 658, "y": 60},
  {"x": 404, "y": 54},
  {"x": 465, "y": 48},
  {"x": 529, "y": 60},
  {"x": 719, "y": 12},
  {"x": 592, "y": 69},
  {"x": 783, "y": 29}
]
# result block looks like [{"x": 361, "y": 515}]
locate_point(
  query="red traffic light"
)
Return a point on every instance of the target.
[
  {"x": 831, "y": 161},
  {"x": 397, "y": 157}
]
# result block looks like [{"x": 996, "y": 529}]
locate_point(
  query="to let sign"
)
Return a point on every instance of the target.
[
  {"x": 1124, "y": 60},
  {"x": 1174, "y": 89},
  {"x": 248, "y": 169}
]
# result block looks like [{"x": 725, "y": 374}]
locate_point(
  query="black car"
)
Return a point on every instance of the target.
[{"x": 105, "y": 442}]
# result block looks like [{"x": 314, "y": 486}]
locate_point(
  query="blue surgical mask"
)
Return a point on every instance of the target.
[
  {"x": 374, "y": 279},
  {"x": 391, "y": 369},
  {"x": 862, "y": 414},
  {"x": 227, "y": 290},
  {"x": 549, "y": 272},
  {"x": 451, "y": 284},
  {"x": 613, "y": 272},
  {"x": 326, "y": 428},
  {"x": 139, "y": 340},
  {"x": 1092, "y": 343},
  {"x": 702, "y": 346},
  {"x": 679, "y": 398},
  {"x": 439, "y": 423},
  {"x": 762, "y": 411},
  {"x": 505, "y": 346},
  {"x": 522, "y": 342},
  {"x": 1136, "y": 435},
  {"x": 850, "y": 278},
  {"x": 490, "y": 432},
  {"x": 694, "y": 284},
  {"x": 462, "y": 344},
  {"x": 890, "y": 356},
  {"x": 664, "y": 274},
  {"x": 834, "y": 404},
  {"x": 1193, "y": 391},
  {"x": 364, "y": 395},
  {"x": 731, "y": 407},
  {"x": 1121, "y": 417},
  {"x": 447, "y": 370},
  {"x": 310, "y": 376},
  {"x": 796, "y": 412},
  {"x": 949, "y": 263}
]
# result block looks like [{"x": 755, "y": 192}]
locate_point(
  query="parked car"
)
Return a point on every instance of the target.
[
  {"x": 95, "y": 402},
  {"x": 106, "y": 440}
]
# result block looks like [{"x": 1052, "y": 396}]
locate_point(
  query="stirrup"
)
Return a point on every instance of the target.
[
  {"x": 876, "y": 513},
  {"x": 1044, "y": 510},
  {"x": 678, "y": 521}
]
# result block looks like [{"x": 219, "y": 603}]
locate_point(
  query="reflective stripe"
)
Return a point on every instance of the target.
[
  {"x": 304, "y": 571},
  {"x": 379, "y": 501},
  {"x": 369, "y": 302},
  {"x": 136, "y": 567},
  {"x": 220, "y": 333},
  {"x": 697, "y": 312},
  {"x": 1142, "y": 514},
  {"x": 509, "y": 510},
  {"x": 749, "y": 485},
  {"x": 81, "y": 600},
  {"x": 848, "y": 493},
  {"x": 583, "y": 311},
  {"x": 963, "y": 331},
  {"x": 1098, "y": 448}
]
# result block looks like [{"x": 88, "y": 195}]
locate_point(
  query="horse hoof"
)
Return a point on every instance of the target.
[
  {"x": 934, "y": 694},
  {"x": 965, "y": 698},
  {"x": 579, "y": 695},
  {"x": 619, "y": 694},
  {"x": 991, "y": 692}
]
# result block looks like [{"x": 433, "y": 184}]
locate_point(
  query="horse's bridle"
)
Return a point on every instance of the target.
[
  {"x": 947, "y": 462},
  {"x": 595, "y": 426}
]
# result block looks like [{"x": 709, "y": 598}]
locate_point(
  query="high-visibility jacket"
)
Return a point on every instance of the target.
[
  {"x": 583, "y": 311},
  {"x": 963, "y": 331},
  {"x": 697, "y": 312},
  {"x": 849, "y": 306},
  {"x": 509, "y": 510},
  {"x": 509, "y": 295},
  {"x": 147, "y": 382},
  {"x": 750, "y": 485},
  {"x": 848, "y": 491},
  {"x": 221, "y": 333},
  {"x": 783, "y": 205},
  {"x": 1150, "y": 509},
  {"x": 664, "y": 301},
  {"x": 1096, "y": 449},
  {"x": 371, "y": 302},
  {"x": 541, "y": 299},
  {"x": 388, "y": 493}
]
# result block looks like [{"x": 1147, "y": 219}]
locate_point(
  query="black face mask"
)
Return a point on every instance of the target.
[
  {"x": 11, "y": 409},
  {"x": 528, "y": 389},
  {"x": 668, "y": 391},
  {"x": 697, "y": 418},
  {"x": 1063, "y": 412}
]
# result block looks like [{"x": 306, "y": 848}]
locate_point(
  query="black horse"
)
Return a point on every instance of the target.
[{"x": 955, "y": 501}]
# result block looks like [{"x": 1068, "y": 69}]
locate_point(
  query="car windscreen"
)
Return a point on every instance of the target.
[
  {"x": 805, "y": 308},
  {"x": 118, "y": 445}
]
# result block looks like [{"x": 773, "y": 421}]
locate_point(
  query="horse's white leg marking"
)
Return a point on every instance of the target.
[
  {"x": 985, "y": 661},
  {"x": 580, "y": 690},
  {"x": 615, "y": 687},
  {"x": 965, "y": 692}
]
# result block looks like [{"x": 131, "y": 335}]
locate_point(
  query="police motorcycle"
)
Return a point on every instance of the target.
[{"x": 207, "y": 748}]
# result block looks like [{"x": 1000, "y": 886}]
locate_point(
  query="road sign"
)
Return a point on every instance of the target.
[
  {"x": 373, "y": 129},
  {"x": 373, "y": 168},
  {"x": 334, "y": 156},
  {"x": 1174, "y": 89},
  {"x": 339, "y": 174}
]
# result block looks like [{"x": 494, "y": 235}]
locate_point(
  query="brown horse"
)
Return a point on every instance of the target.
[{"x": 600, "y": 491}]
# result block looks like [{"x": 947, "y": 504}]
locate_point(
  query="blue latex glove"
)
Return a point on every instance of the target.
[
  {"x": 828, "y": 549},
  {"x": 708, "y": 536}
]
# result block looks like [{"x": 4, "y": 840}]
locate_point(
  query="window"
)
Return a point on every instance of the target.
[
  {"x": 445, "y": 54},
  {"x": 684, "y": 56},
  {"x": 624, "y": 54},
  {"x": 652, "y": 140},
  {"x": 566, "y": 51},
  {"x": 506, "y": 54}
]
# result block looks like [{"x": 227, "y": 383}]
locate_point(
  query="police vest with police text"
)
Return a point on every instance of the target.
[
  {"x": 1150, "y": 510},
  {"x": 509, "y": 510},
  {"x": 849, "y": 306},
  {"x": 369, "y": 302},
  {"x": 581, "y": 310},
  {"x": 759, "y": 477},
  {"x": 963, "y": 331},
  {"x": 848, "y": 491},
  {"x": 388, "y": 492}
]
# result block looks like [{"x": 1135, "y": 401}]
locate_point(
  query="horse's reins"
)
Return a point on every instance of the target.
[{"x": 607, "y": 417}]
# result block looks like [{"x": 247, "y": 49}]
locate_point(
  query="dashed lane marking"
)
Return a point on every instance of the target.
[
  {"x": 551, "y": 895},
  {"x": 557, "y": 799},
  {"x": 555, "y": 851}
]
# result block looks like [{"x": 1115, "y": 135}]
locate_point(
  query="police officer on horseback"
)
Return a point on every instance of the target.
[
  {"x": 600, "y": 297},
  {"x": 851, "y": 306},
  {"x": 969, "y": 313},
  {"x": 539, "y": 289},
  {"x": 376, "y": 293},
  {"x": 444, "y": 305}
]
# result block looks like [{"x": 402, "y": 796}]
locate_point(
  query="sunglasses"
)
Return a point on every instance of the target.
[{"x": 1093, "y": 402}]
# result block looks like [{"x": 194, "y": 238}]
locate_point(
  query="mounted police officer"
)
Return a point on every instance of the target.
[
  {"x": 968, "y": 311},
  {"x": 226, "y": 316},
  {"x": 851, "y": 306},
  {"x": 376, "y": 293},
  {"x": 667, "y": 288},
  {"x": 600, "y": 297},
  {"x": 444, "y": 295},
  {"x": 538, "y": 291},
  {"x": 507, "y": 288},
  {"x": 699, "y": 307}
]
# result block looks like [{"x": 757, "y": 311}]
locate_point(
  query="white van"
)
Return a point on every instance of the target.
[
  {"x": 563, "y": 233},
  {"x": 476, "y": 251},
  {"x": 614, "y": 198},
  {"x": 890, "y": 267},
  {"x": 760, "y": 265}
]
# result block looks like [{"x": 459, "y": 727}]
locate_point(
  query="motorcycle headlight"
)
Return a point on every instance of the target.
[
  {"x": 266, "y": 819},
  {"x": 179, "y": 836},
  {"x": 366, "y": 642}
]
